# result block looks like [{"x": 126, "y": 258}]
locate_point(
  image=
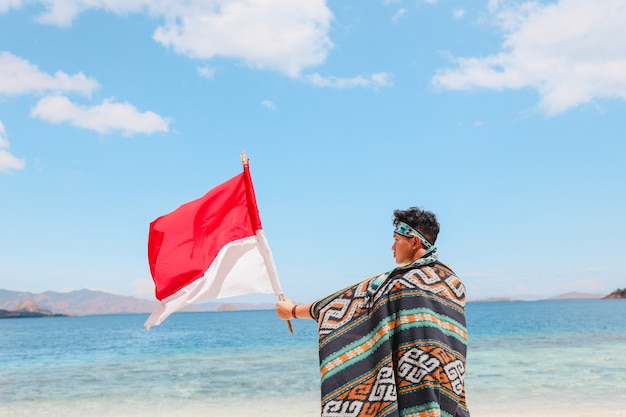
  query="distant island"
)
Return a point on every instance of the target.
[
  {"x": 89, "y": 302},
  {"x": 28, "y": 308},
  {"x": 85, "y": 302},
  {"x": 617, "y": 294},
  {"x": 7, "y": 314},
  {"x": 566, "y": 296}
]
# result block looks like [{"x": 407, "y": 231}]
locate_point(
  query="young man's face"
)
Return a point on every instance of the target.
[{"x": 404, "y": 248}]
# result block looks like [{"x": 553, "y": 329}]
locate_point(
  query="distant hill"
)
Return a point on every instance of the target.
[
  {"x": 571, "y": 295},
  {"x": 492, "y": 299},
  {"x": 617, "y": 294},
  {"x": 87, "y": 302},
  {"x": 27, "y": 308},
  {"x": 566, "y": 296},
  {"x": 81, "y": 302}
]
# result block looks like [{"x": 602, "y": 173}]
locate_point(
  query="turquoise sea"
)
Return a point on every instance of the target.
[{"x": 533, "y": 358}]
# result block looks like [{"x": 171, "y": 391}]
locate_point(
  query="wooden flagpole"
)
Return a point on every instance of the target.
[{"x": 281, "y": 297}]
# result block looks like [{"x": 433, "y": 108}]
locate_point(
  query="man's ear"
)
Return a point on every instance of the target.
[{"x": 416, "y": 241}]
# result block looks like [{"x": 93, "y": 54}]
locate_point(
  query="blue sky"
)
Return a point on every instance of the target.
[{"x": 505, "y": 118}]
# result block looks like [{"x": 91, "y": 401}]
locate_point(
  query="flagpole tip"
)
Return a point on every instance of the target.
[{"x": 244, "y": 159}]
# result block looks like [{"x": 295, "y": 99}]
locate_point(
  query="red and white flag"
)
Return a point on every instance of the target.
[{"x": 212, "y": 247}]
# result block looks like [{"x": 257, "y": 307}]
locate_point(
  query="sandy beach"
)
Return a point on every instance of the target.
[{"x": 287, "y": 408}]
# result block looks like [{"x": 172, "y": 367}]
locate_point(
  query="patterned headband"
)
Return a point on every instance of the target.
[{"x": 405, "y": 230}]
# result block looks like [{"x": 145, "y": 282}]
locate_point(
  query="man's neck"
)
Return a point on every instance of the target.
[{"x": 420, "y": 252}]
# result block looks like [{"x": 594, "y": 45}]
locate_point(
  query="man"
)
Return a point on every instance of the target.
[{"x": 394, "y": 344}]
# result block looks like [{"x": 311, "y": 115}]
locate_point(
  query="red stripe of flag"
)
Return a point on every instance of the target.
[{"x": 195, "y": 250}]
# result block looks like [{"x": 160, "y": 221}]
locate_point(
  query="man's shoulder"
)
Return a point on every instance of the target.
[
  {"x": 437, "y": 279},
  {"x": 437, "y": 267}
]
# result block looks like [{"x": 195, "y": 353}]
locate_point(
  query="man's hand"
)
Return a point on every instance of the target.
[{"x": 283, "y": 308}]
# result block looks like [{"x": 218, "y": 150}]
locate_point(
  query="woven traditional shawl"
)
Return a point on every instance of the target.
[{"x": 394, "y": 345}]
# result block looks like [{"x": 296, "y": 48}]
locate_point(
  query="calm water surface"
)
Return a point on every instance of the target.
[{"x": 565, "y": 357}]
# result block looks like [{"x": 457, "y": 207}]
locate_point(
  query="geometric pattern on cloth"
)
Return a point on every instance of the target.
[
  {"x": 427, "y": 278},
  {"x": 342, "y": 310},
  {"x": 416, "y": 364},
  {"x": 384, "y": 388},
  {"x": 398, "y": 350},
  {"x": 424, "y": 365},
  {"x": 455, "y": 371},
  {"x": 455, "y": 284},
  {"x": 376, "y": 393},
  {"x": 342, "y": 408}
]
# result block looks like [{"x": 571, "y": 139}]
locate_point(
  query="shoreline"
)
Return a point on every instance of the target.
[{"x": 153, "y": 407}]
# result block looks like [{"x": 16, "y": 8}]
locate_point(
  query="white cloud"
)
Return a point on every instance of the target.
[
  {"x": 4, "y": 143},
  {"x": 493, "y": 5},
  {"x": 6, "y": 5},
  {"x": 18, "y": 76},
  {"x": 269, "y": 104},
  {"x": 458, "y": 13},
  {"x": 398, "y": 15},
  {"x": 206, "y": 72},
  {"x": 101, "y": 118},
  {"x": 380, "y": 79},
  {"x": 63, "y": 12},
  {"x": 279, "y": 35},
  {"x": 569, "y": 51},
  {"x": 286, "y": 36},
  {"x": 8, "y": 161}
]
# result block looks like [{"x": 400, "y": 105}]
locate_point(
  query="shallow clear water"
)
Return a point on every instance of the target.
[
  {"x": 565, "y": 357},
  {"x": 561, "y": 357}
]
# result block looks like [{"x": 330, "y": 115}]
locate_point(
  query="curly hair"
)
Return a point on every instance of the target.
[{"x": 421, "y": 220}]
